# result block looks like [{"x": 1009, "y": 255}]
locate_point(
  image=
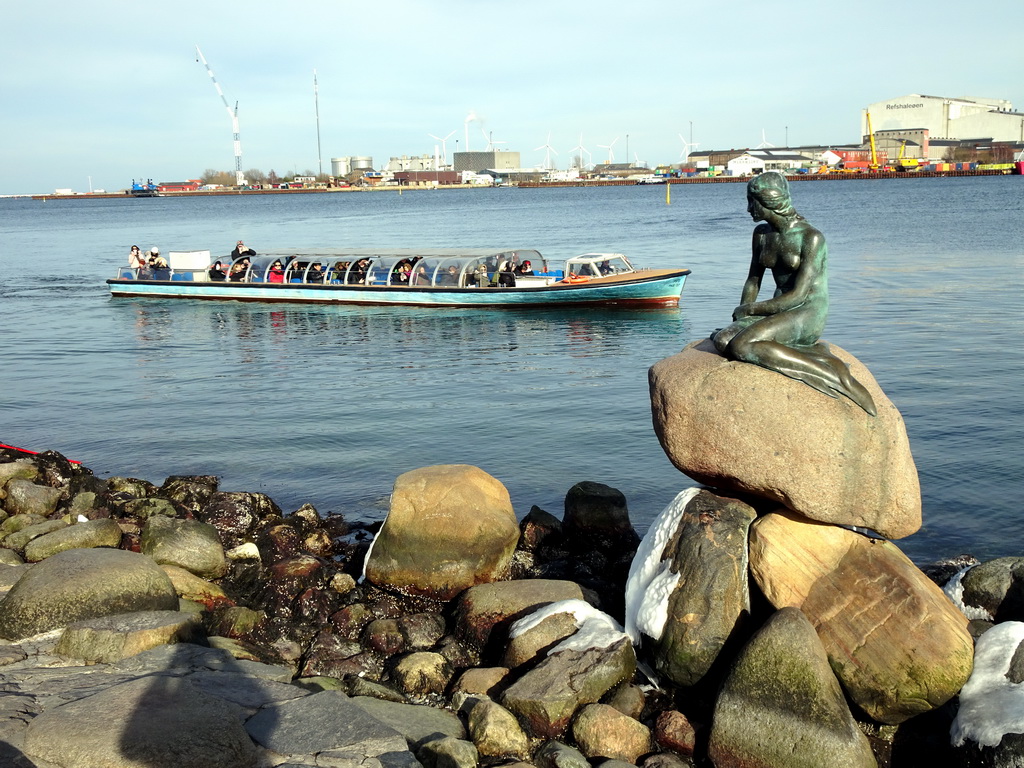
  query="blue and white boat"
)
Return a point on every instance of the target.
[{"x": 412, "y": 277}]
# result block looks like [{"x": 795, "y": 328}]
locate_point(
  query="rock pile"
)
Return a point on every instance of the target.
[{"x": 212, "y": 628}]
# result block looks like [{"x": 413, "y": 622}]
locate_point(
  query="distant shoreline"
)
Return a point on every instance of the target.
[{"x": 529, "y": 184}]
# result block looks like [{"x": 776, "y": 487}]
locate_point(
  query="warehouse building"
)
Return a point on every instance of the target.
[{"x": 945, "y": 118}]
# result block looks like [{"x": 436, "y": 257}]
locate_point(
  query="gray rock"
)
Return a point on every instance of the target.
[
  {"x": 81, "y": 584},
  {"x": 554, "y": 754},
  {"x": 94, "y": 533},
  {"x": 709, "y": 552},
  {"x": 9, "y": 557},
  {"x": 547, "y": 697},
  {"x": 448, "y": 752},
  {"x": 112, "y": 638},
  {"x": 25, "y": 497},
  {"x": 782, "y": 706},
  {"x": 21, "y": 538},
  {"x": 9, "y": 574},
  {"x": 189, "y": 544},
  {"x": 328, "y": 720},
  {"x": 17, "y": 522},
  {"x": 996, "y": 586},
  {"x": 153, "y": 721},
  {"x": 24, "y": 469},
  {"x": 418, "y": 724},
  {"x": 485, "y": 607}
]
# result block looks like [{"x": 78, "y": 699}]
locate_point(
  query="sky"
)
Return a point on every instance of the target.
[{"x": 93, "y": 95}]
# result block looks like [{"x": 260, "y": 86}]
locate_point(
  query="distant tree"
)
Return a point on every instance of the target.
[
  {"x": 272, "y": 177},
  {"x": 223, "y": 178},
  {"x": 256, "y": 176}
]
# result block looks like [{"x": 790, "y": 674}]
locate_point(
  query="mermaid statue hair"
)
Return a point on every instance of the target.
[{"x": 771, "y": 190}]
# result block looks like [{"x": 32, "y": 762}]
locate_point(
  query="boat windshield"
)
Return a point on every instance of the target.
[{"x": 599, "y": 265}]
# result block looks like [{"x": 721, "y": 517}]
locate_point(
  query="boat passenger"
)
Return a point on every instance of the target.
[
  {"x": 525, "y": 269},
  {"x": 400, "y": 272},
  {"x": 241, "y": 249},
  {"x": 451, "y": 277},
  {"x": 503, "y": 276},
  {"x": 605, "y": 268},
  {"x": 238, "y": 271},
  {"x": 358, "y": 272},
  {"x": 159, "y": 267},
  {"x": 316, "y": 273},
  {"x": 135, "y": 259},
  {"x": 276, "y": 273},
  {"x": 216, "y": 272},
  {"x": 421, "y": 277}
]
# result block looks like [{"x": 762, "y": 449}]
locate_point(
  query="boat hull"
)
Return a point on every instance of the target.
[{"x": 657, "y": 288}]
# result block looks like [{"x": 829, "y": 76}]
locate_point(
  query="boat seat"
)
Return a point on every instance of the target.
[{"x": 180, "y": 276}]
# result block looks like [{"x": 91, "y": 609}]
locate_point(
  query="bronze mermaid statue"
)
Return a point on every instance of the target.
[{"x": 782, "y": 333}]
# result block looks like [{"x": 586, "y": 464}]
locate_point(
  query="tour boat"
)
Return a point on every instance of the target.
[{"x": 413, "y": 277}]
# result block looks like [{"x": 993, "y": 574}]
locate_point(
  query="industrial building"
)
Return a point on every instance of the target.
[
  {"x": 945, "y": 119},
  {"x": 492, "y": 160}
]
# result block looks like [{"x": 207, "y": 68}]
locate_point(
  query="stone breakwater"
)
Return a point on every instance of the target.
[{"x": 179, "y": 625}]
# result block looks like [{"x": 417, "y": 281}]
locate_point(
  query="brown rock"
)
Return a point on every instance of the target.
[
  {"x": 603, "y": 731},
  {"x": 746, "y": 429},
  {"x": 896, "y": 642},
  {"x": 487, "y": 606},
  {"x": 673, "y": 730},
  {"x": 449, "y": 527}
]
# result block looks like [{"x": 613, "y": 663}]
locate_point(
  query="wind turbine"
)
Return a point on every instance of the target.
[
  {"x": 687, "y": 146},
  {"x": 611, "y": 154},
  {"x": 444, "y": 146},
  {"x": 547, "y": 156},
  {"x": 239, "y": 178},
  {"x": 581, "y": 149},
  {"x": 764, "y": 142},
  {"x": 489, "y": 135}
]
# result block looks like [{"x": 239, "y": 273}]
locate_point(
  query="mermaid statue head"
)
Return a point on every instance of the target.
[{"x": 771, "y": 190}]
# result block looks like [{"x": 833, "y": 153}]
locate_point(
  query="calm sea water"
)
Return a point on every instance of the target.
[{"x": 328, "y": 405}]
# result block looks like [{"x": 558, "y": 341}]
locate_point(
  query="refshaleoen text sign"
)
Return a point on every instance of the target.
[{"x": 919, "y": 105}]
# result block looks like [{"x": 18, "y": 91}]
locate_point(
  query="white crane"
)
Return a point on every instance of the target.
[{"x": 239, "y": 178}]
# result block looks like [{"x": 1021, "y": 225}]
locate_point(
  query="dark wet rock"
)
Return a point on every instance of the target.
[
  {"x": 471, "y": 538},
  {"x": 422, "y": 630},
  {"x": 286, "y": 580},
  {"x": 596, "y": 517},
  {"x": 997, "y": 586},
  {"x": 603, "y": 731},
  {"x": 131, "y": 487},
  {"x": 943, "y": 570},
  {"x": 80, "y": 584},
  {"x": 234, "y": 621},
  {"x": 279, "y": 542},
  {"x": 94, "y": 533},
  {"x": 540, "y": 529},
  {"x": 142, "y": 722},
  {"x": 496, "y": 732},
  {"x": 320, "y": 722},
  {"x": 189, "y": 544},
  {"x": 781, "y": 705},
  {"x": 326, "y": 654},
  {"x": 237, "y": 515},
  {"x": 190, "y": 492},
  {"x": 487, "y": 607},
  {"x": 448, "y": 752},
  {"x": 459, "y": 653},
  {"x": 547, "y": 697},
  {"x": 112, "y": 638},
  {"x": 351, "y": 620},
  {"x": 144, "y": 509},
  {"x": 384, "y": 636},
  {"x": 708, "y": 551}
]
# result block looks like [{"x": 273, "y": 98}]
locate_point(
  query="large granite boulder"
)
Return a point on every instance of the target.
[
  {"x": 103, "y": 532},
  {"x": 449, "y": 528},
  {"x": 743, "y": 428},
  {"x": 781, "y": 706},
  {"x": 189, "y": 544},
  {"x": 82, "y": 584},
  {"x": 897, "y": 643},
  {"x": 692, "y": 581},
  {"x": 112, "y": 638}
]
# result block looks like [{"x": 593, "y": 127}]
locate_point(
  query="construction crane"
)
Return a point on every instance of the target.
[
  {"x": 871, "y": 138},
  {"x": 239, "y": 178}
]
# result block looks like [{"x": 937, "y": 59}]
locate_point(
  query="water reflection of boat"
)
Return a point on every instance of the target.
[{"x": 417, "y": 277}]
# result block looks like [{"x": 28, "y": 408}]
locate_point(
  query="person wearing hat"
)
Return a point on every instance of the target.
[
  {"x": 276, "y": 272},
  {"x": 241, "y": 249}
]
